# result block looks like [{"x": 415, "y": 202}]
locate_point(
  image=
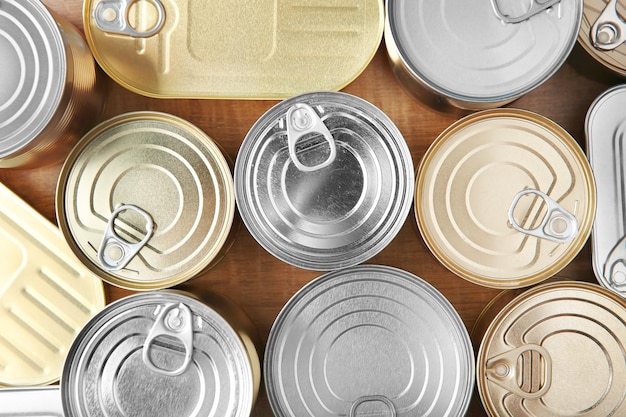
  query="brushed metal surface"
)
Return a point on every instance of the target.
[{"x": 31, "y": 402}]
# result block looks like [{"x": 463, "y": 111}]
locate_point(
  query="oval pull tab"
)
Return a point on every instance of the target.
[
  {"x": 112, "y": 16},
  {"x": 525, "y": 371},
  {"x": 558, "y": 225},
  {"x": 302, "y": 121},
  {"x": 609, "y": 30},
  {"x": 537, "y": 6},
  {"x": 114, "y": 252},
  {"x": 175, "y": 321},
  {"x": 372, "y": 405},
  {"x": 615, "y": 266}
]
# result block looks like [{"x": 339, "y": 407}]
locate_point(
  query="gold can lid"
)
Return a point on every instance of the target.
[
  {"x": 257, "y": 49},
  {"x": 46, "y": 295},
  {"x": 146, "y": 200},
  {"x": 603, "y": 33},
  {"x": 505, "y": 198},
  {"x": 556, "y": 350}
]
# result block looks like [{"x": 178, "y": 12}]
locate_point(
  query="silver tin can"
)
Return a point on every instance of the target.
[
  {"x": 369, "y": 340},
  {"x": 605, "y": 129},
  {"x": 28, "y": 402},
  {"x": 324, "y": 180},
  {"x": 50, "y": 90},
  {"x": 162, "y": 354},
  {"x": 474, "y": 55}
]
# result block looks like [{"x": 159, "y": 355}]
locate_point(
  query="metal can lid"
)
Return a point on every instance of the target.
[
  {"x": 603, "y": 33},
  {"x": 40, "y": 401},
  {"x": 146, "y": 200},
  {"x": 605, "y": 128},
  {"x": 158, "y": 354},
  {"x": 368, "y": 340},
  {"x": 324, "y": 180},
  {"x": 34, "y": 71},
  {"x": 505, "y": 198},
  {"x": 483, "y": 51},
  {"x": 556, "y": 350}
]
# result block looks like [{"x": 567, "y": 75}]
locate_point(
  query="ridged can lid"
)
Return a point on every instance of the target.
[
  {"x": 324, "y": 180},
  {"x": 369, "y": 340},
  {"x": 505, "y": 198},
  {"x": 602, "y": 33},
  {"x": 146, "y": 200}
]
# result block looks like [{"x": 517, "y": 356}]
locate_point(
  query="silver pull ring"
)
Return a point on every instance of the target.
[
  {"x": 615, "y": 266},
  {"x": 374, "y": 405},
  {"x": 112, "y": 16},
  {"x": 609, "y": 30},
  {"x": 558, "y": 225},
  {"x": 115, "y": 252},
  {"x": 537, "y": 7},
  {"x": 302, "y": 121}
]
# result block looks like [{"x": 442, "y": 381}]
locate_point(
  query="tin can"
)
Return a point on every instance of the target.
[
  {"x": 27, "y": 402},
  {"x": 324, "y": 180},
  {"x": 262, "y": 49},
  {"x": 51, "y": 92},
  {"x": 605, "y": 128},
  {"x": 603, "y": 33},
  {"x": 162, "y": 354},
  {"x": 146, "y": 201},
  {"x": 474, "y": 55},
  {"x": 368, "y": 340},
  {"x": 505, "y": 198},
  {"x": 555, "y": 350},
  {"x": 46, "y": 296}
]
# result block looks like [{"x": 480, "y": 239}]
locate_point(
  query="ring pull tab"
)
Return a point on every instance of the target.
[
  {"x": 302, "y": 121},
  {"x": 609, "y": 30},
  {"x": 537, "y": 7},
  {"x": 525, "y": 371},
  {"x": 372, "y": 405},
  {"x": 558, "y": 225},
  {"x": 175, "y": 321},
  {"x": 115, "y": 252},
  {"x": 615, "y": 266},
  {"x": 112, "y": 16}
]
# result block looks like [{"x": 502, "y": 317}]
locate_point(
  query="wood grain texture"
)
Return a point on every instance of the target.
[{"x": 261, "y": 284}]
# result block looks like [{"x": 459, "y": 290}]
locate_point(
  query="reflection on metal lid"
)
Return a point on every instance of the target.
[
  {"x": 368, "y": 340},
  {"x": 602, "y": 33},
  {"x": 31, "y": 402},
  {"x": 234, "y": 49},
  {"x": 46, "y": 295},
  {"x": 505, "y": 198}
]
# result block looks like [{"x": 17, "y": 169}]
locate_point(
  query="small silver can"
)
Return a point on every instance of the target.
[
  {"x": 163, "y": 354},
  {"x": 50, "y": 89},
  {"x": 476, "y": 55},
  {"x": 369, "y": 340},
  {"x": 324, "y": 180}
]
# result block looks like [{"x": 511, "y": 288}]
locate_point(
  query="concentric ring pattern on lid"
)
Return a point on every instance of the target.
[
  {"x": 33, "y": 60},
  {"x": 368, "y": 340},
  {"x": 331, "y": 194}
]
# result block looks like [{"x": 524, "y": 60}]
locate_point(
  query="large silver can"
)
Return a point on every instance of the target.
[
  {"x": 324, "y": 180},
  {"x": 369, "y": 340},
  {"x": 50, "y": 90}
]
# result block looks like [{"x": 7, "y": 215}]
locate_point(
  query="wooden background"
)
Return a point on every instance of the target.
[{"x": 261, "y": 284}]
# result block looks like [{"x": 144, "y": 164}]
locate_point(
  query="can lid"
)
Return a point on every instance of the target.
[
  {"x": 46, "y": 296},
  {"x": 368, "y": 340},
  {"x": 505, "y": 198},
  {"x": 34, "y": 71},
  {"x": 486, "y": 51},
  {"x": 324, "y": 180},
  {"x": 603, "y": 33},
  {"x": 146, "y": 200},
  {"x": 158, "y": 354},
  {"x": 556, "y": 350},
  {"x": 40, "y": 401},
  {"x": 605, "y": 130}
]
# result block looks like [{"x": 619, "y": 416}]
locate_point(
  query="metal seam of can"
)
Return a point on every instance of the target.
[{"x": 478, "y": 164}]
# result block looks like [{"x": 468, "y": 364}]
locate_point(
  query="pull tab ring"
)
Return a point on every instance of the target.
[
  {"x": 115, "y": 252},
  {"x": 112, "y": 16},
  {"x": 537, "y": 7},
  {"x": 615, "y": 266},
  {"x": 609, "y": 30},
  {"x": 303, "y": 120},
  {"x": 383, "y": 405},
  {"x": 174, "y": 320},
  {"x": 559, "y": 225}
]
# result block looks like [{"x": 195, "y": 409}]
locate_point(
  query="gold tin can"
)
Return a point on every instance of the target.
[
  {"x": 258, "y": 49},
  {"x": 51, "y": 92},
  {"x": 505, "y": 198},
  {"x": 603, "y": 33},
  {"x": 555, "y": 350},
  {"x": 46, "y": 295},
  {"x": 146, "y": 201}
]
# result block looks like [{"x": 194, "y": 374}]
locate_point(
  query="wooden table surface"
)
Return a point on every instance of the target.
[{"x": 253, "y": 278}]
